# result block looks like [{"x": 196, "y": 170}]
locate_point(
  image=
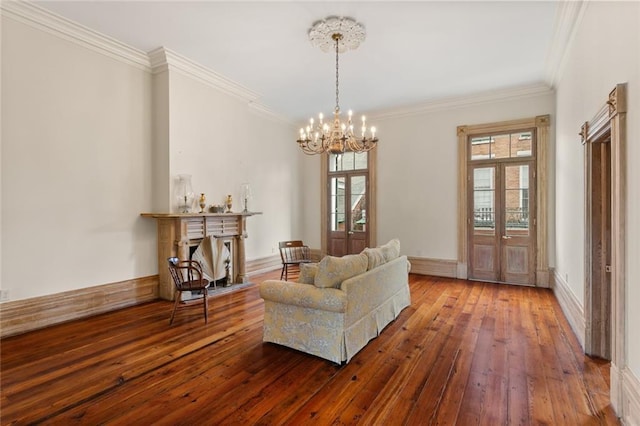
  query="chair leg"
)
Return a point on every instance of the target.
[
  {"x": 284, "y": 267},
  {"x": 286, "y": 272},
  {"x": 205, "y": 294},
  {"x": 176, "y": 298}
]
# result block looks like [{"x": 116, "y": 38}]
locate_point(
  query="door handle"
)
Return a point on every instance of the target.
[
  {"x": 506, "y": 237},
  {"x": 350, "y": 232}
]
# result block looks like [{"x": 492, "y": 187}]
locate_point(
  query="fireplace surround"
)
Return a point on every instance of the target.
[{"x": 178, "y": 232}]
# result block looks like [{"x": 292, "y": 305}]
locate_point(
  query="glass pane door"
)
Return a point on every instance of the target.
[
  {"x": 516, "y": 208},
  {"x": 484, "y": 196},
  {"x": 337, "y": 211}
]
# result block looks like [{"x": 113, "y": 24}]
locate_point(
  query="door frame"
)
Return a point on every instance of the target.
[
  {"x": 597, "y": 198},
  {"x": 613, "y": 115},
  {"x": 541, "y": 123},
  {"x": 372, "y": 222}
]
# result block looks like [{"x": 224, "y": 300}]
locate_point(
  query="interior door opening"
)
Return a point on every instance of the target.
[{"x": 598, "y": 247}]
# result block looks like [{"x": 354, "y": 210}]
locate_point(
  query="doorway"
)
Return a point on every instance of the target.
[
  {"x": 347, "y": 206},
  {"x": 475, "y": 146},
  {"x": 502, "y": 217},
  {"x": 598, "y": 246}
]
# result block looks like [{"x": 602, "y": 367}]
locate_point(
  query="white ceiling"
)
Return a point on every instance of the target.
[{"x": 414, "y": 52}]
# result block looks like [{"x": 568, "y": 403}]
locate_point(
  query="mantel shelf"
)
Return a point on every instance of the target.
[{"x": 204, "y": 214}]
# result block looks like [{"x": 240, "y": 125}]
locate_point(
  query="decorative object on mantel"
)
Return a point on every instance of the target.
[
  {"x": 184, "y": 193},
  {"x": 229, "y": 203},
  {"x": 202, "y": 202},
  {"x": 245, "y": 189},
  {"x": 216, "y": 208},
  {"x": 343, "y": 34}
]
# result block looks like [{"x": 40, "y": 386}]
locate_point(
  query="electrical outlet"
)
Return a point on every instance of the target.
[{"x": 4, "y": 295}]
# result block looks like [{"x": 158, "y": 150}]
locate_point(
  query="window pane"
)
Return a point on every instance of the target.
[
  {"x": 347, "y": 160},
  {"x": 358, "y": 203},
  {"x": 481, "y": 148},
  {"x": 500, "y": 146},
  {"x": 484, "y": 201},
  {"x": 361, "y": 161},
  {"x": 337, "y": 199},
  {"x": 521, "y": 144},
  {"x": 335, "y": 162},
  {"x": 516, "y": 207}
]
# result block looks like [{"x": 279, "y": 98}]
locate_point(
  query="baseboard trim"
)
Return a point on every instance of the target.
[
  {"x": 436, "y": 267},
  {"x": 630, "y": 414},
  {"x": 570, "y": 307},
  {"x": 21, "y": 316},
  {"x": 263, "y": 264}
]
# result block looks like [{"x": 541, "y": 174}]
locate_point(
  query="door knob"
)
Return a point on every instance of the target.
[
  {"x": 350, "y": 232},
  {"x": 506, "y": 237}
]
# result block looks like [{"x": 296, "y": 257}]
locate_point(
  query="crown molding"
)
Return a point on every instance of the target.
[
  {"x": 155, "y": 61},
  {"x": 162, "y": 59},
  {"x": 42, "y": 19},
  {"x": 263, "y": 111},
  {"x": 521, "y": 92},
  {"x": 568, "y": 17}
]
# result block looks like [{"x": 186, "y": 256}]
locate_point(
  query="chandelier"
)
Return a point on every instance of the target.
[{"x": 336, "y": 137}]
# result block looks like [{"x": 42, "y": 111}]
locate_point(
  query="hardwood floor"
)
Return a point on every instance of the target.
[{"x": 463, "y": 353}]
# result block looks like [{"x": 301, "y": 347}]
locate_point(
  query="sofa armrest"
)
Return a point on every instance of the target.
[{"x": 304, "y": 295}]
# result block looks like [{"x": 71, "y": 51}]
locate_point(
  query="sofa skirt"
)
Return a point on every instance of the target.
[{"x": 323, "y": 333}]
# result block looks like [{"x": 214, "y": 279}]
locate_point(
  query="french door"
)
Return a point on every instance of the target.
[
  {"x": 347, "y": 203},
  {"x": 502, "y": 221}
]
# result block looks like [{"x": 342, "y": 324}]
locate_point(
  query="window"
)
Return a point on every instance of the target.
[{"x": 508, "y": 145}]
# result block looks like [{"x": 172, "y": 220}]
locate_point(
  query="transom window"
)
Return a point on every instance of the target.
[
  {"x": 348, "y": 161},
  {"x": 507, "y": 145}
]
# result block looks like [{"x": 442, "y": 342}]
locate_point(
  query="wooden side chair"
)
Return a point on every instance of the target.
[
  {"x": 293, "y": 253},
  {"x": 187, "y": 276}
]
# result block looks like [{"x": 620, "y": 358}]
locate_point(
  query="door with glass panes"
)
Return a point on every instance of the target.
[
  {"x": 502, "y": 209},
  {"x": 347, "y": 203}
]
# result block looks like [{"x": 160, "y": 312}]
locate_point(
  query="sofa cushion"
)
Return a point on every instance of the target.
[
  {"x": 308, "y": 273},
  {"x": 391, "y": 250},
  {"x": 375, "y": 257},
  {"x": 333, "y": 270}
]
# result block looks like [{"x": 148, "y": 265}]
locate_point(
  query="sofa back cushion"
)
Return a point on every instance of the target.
[
  {"x": 308, "y": 273},
  {"x": 333, "y": 270},
  {"x": 391, "y": 250},
  {"x": 375, "y": 257}
]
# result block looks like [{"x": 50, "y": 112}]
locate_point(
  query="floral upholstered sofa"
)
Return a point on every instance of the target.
[{"x": 338, "y": 304}]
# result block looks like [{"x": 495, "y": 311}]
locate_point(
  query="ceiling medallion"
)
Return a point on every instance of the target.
[{"x": 340, "y": 34}]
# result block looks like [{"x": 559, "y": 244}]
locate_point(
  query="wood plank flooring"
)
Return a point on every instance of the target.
[{"x": 463, "y": 353}]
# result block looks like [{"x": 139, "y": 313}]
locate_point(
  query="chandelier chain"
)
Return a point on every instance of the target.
[{"x": 337, "y": 75}]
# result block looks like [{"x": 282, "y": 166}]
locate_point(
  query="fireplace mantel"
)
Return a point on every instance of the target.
[{"x": 177, "y": 232}]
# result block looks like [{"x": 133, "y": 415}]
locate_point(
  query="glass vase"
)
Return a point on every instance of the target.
[{"x": 184, "y": 194}]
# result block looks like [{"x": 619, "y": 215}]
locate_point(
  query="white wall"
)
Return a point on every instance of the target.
[
  {"x": 417, "y": 173},
  {"x": 222, "y": 142},
  {"x": 90, "y": 141},
  {"x": 605, "y": 52},
  {"x": 76, "y": 166}
]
